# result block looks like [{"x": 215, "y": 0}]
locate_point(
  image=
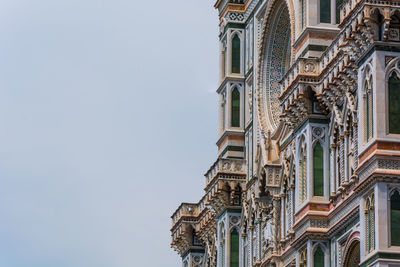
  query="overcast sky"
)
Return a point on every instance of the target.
[{"x": 108, "y": 120}]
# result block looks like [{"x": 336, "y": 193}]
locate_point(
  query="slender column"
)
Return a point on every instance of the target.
[
  {"x": 283, "y": 217},
  {"x": 337, "y": 167},
  {"x": 221, "y": 114},
  {"x": 310, "y": 173},
  {"x": 276, "y": 203},
  {"x": 346, "y": 158},
  {"x": 333, "y": 169}
]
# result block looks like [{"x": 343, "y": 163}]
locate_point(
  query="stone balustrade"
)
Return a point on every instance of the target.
[{"x": 225, "y": 166}]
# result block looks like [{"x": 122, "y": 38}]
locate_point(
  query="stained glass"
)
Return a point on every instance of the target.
[
  {"x": 234, "y": 248},
  {"x": 338, "y": 4},
  {"x": 235, "y": 120},
  {"x": 325, "y": 11},
  {"x": 318, "y": 164},
  {"x": 236, "y": 54},
  {"x": 319, "y": 258},
  {"x": 395, "y": 218},
  {"x": 394, "y": 104}
]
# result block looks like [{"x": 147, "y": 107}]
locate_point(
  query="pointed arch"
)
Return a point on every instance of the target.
[
  {"x": 394, "y": 103},
  {"x": 235, "y": 108},
  {"x": 395, "y": 218},
  {"x": 234, "y": 248},
  {"x": 318, "y": 170},
  {"x": 352, "y": 253},
  {"x": 235, "y": 57},
  {"x": 319, "y": 257}
]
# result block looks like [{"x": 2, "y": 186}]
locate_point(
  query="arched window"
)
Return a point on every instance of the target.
[
  {"x": 236, "y": 54},
  {"x": 325, "y": 11},
  {"x": 394, "y": 104},
  {"x": 319, "y": 257},
  {"x": 338, "y": 4},
  {"x": 303, "y": 16},
  {"x": 235, "y": 108},
  {"x": 234, "y": 248},
  {"x": 318, "y": 170},
  {"x": 395, "y": 218}
]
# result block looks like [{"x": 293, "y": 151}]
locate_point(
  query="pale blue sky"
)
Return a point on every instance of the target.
[{"x": 108, "y": 120}]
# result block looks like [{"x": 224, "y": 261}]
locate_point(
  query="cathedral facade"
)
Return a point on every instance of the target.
[{"x": 308, "y": 165}]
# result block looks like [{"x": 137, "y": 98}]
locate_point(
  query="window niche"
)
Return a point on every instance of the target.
[
  {"x": 319, "y": 257},
  {"x": 234, "y": 246},
  {"x": 302, "y": 23},
  {"x": 325, "y": 11},
  {"x": 318, "y": 161},
  {"x": 318, "y": 170},
  {"x": 338, "y": 5},
  {"x": 235, "y": 67},
  {"x": 395, "y": 218},
  {"x": 235, "y": 108},
  {"x": 394, "y": 103}
]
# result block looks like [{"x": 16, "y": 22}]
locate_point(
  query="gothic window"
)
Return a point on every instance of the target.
[
  {"x": 303, "y": 15},
  {"x": 394, "y": 103},
  {"x": 235, "y": 54},
  {"x": 318, "y": 170},
  {"x": 325, "y": 11},
  {"x": 370, "y": 224},
  {"x": 395, "y": 218},
  {"x": 368, "y": 108},
  {"x": 303, "y": 173},
  {"x": 235, "y": 108},
  {"x": 338, "y": 4},
  {"x": 319, "y": 257},
  {"x": 234, "y": 248}
]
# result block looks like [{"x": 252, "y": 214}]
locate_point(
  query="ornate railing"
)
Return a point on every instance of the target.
[{"x": 225, "y": 166}]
